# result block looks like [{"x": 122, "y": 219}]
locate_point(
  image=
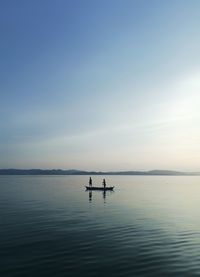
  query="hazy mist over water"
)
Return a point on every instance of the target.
[{"x": 51, "y": 226}]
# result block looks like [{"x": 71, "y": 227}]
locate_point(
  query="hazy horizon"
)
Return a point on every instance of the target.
[
  {"x": 166, "y": 170},
  {"x": 100, "y": 85}
]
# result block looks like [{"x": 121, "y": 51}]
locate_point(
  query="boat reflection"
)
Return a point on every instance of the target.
[
  {"x": 103, "y": 189},
  {"x": 104, "y": 194},
  {"x": 90, "y": 196}
]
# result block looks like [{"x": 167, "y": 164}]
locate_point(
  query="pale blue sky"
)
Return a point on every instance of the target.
[{"x": 101, "y": 85}]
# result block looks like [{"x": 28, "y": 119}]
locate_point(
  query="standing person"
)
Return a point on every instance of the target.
[
  {"x": 104, "y": 183},
  {"x": 90, "y": 182}
]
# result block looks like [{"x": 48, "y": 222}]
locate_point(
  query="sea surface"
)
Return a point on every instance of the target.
[{"x": 51, "y": 226}]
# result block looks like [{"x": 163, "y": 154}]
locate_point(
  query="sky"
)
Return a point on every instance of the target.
[{"x": 100, "y": 84}]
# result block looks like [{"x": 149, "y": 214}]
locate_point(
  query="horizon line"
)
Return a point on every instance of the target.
[{"x": 38, "y": 171}]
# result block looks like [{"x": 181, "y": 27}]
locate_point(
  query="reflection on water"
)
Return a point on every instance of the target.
[
  {"x": 148, "y": 227},
  {"x": 104, "y": 193},
  {"x": 90, "y": 196}
]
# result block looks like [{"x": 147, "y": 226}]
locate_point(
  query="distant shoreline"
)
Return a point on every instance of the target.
[{"x": 81, "y": 172}]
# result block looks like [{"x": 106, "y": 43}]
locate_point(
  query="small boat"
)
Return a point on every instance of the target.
[
  {"x": 99, "y": 188},
  {"x": 103, "y": 188}
]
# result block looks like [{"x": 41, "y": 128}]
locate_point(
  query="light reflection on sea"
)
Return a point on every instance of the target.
[{"x": 51, "y": 226}]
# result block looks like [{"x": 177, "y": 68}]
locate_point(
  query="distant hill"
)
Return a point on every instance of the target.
[
  {"x": 165, "y": 172},
  {"x": 81, "y": 172},
  {"x": 41, "y": 172}
]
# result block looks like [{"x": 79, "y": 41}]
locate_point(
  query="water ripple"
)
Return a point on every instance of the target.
[{"x": 55, "y": 230}]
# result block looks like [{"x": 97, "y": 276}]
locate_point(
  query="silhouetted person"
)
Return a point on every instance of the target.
[
  {"x": 90, "y": 182},
  {"x": 104, "y": 183}
]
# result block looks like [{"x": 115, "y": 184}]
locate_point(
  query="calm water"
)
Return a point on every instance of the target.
[{"x": 50, "y": 226}]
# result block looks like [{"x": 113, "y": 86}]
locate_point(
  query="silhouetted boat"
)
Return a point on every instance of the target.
[
  {"x": 99, "y": 188},
  {"x": 103, "y": 188}
]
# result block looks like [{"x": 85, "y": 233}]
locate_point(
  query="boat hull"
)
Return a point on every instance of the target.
[{"x": 99, "y": 188}]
